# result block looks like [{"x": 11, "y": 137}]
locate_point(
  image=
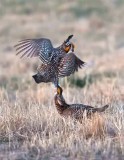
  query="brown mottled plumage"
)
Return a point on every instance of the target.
[
  {"x": 56, "y": 62},
  {"x": 75, "y": 111}
]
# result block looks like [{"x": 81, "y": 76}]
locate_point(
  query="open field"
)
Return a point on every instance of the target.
[{"x": 30, "y": 127}]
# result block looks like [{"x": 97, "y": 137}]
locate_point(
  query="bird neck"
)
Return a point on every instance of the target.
[
  {"x": 61, "y": 49},
  {"x": 60, "y": 104}
]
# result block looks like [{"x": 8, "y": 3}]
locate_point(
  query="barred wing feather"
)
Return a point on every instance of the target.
[
  {"x": 69, "y": 64},
  {"x": 35, "y": 47}
]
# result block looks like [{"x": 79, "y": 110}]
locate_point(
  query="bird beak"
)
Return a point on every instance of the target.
[{"x": 58, "y": 90}]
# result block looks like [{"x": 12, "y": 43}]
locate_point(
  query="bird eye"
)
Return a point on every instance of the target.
[{"x": 67, "y": 43}]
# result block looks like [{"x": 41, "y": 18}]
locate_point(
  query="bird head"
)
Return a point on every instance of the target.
[
  {"x": 67, "y": 45},
  {"x": 59, "y": 90}
]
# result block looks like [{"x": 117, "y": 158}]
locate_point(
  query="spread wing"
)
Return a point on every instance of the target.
[
  {"x": 69, "y": 64},
  {"x": 35, "y": 47}
]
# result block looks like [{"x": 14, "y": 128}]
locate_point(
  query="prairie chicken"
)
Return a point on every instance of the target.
[
  {"x": 75, "y": 111},
  {"x": 55, "y": 61}
]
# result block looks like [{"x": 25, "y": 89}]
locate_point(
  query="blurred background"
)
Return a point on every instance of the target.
[
  {"x": 28, "y": 116},
  {"x": 98, "y": 29}
]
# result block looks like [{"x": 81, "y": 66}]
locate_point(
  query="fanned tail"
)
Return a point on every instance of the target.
[
  {"x": 37, "y": 78},
  {"x": 102, "y": 109}
]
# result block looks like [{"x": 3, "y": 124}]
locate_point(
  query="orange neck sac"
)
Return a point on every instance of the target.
[{"x": 66, "y": 49}]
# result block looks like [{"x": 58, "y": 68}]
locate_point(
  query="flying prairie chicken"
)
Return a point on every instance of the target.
[
  {"x": 75, "y": 111},
  {"x": 56, "y": 62}
]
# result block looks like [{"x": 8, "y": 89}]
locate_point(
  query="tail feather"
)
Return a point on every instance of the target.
[
  {"x": 37, "y": 78},
  {"x": 102, "y": 109}
]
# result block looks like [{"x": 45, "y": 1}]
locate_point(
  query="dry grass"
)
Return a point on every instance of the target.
[{"x": 30, "y": 127}]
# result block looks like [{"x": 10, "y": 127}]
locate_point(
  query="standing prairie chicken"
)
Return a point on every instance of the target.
[
  {"x": 75, "y": 111},
  {"x": 56, "y": 62}
]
